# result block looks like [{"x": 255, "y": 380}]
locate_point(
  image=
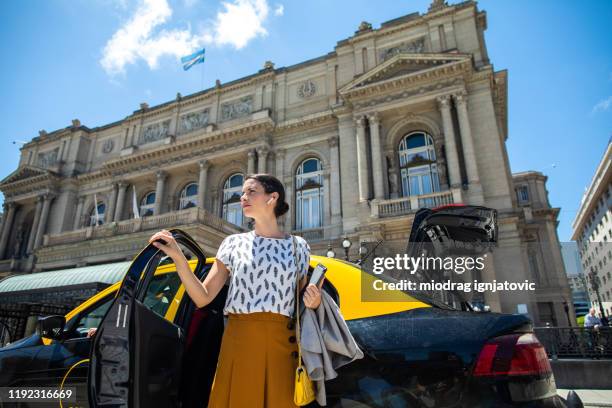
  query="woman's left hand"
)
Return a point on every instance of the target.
[{"x": 312, "y": 295}]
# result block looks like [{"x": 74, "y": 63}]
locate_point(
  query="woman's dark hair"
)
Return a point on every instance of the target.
[{"x": 271, "y": 184}]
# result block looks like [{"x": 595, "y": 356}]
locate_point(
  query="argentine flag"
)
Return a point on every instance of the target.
[{"x": 195, "y": 58}]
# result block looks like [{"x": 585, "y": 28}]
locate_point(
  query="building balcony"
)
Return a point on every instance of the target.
[
  {"x": 193, "y": 215},
  {"x": 405, "y": 205},
  {"x": 311, "y": 234}
]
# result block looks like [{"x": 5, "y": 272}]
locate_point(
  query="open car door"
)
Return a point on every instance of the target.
[
  {"x": 454, "y": 230},
  {"x": 137, "y": 354}
]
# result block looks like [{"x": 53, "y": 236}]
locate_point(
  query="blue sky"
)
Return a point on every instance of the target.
[{"x": 97, "y": 60}]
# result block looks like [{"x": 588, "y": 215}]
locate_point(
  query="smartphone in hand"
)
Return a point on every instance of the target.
[{"x": 318, "y": 274}]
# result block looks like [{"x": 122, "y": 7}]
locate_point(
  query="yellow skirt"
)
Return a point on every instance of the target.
[{"x": 257, "y": 362}]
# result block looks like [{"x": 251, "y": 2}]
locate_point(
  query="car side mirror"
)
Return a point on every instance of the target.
[{"x": 51, "y": 327}]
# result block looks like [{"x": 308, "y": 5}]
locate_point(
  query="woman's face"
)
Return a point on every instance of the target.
[{"x": 254, "y": 199}]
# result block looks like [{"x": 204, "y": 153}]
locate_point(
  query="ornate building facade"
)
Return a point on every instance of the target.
[
  {"x": 592, "y": 231},
  {"x": 407, "y": 115}
]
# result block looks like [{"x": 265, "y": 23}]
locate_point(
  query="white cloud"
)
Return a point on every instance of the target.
[
  {"x": 279, "y": 10},
  {"x": 141, "y": 37},
  {"x": 240, "y": 22},
  {"x": 136, "y": 40},
  {"x": 603, "y": 105}
]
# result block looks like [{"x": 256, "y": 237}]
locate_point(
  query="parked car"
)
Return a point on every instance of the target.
[
  {"x": 154, "y": 348},
  {"x": 5, "y": 334}
]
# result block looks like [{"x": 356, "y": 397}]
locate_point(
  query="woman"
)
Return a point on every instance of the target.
[{"x": 258, "y": 356}]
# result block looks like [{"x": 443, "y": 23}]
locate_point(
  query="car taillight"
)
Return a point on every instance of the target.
[
  {"x": 513, "y": 354},
  {"x": 442, "y": 207}
]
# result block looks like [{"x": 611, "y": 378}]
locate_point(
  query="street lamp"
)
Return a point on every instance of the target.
[
  {"x": 566, "y": 308},
  {"x": 330, "y": 251},
  {"x": 595, "y": 285},
  {"x": 346, "y": 244}
]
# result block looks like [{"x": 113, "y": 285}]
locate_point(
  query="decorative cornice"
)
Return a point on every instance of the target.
[
  {"x": 179, "y": 151},
  {"x": 308, "y": 121}
]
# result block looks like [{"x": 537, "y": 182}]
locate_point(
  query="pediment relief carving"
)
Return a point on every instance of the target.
[
  {"x": 405, "y": 65},
  {"x": 24, "y": 173}
]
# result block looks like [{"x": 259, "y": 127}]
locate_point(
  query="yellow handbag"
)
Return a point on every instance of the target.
[{"x": 304, "y": 392}]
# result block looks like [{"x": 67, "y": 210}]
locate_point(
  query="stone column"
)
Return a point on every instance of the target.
[
  {"x": 289, "y": 198},
  {"x": 251, "y": 162},
  {"x": 362, "y": 160},
  {"x": 262, "y": 158},
  {"x": 280, "y": 164},
  {"x": 7, "y": 226},
  {"x": 452, "y": 156},
  {"x": 34, "y": 228},
  {"x": 469, "y": 154},
  {"x": 326, "y": 201},
  {"x": 377, "y": 157},
  {"x": 121, "y": 186},
  {"x": 334, "y": 177},
  {"x": 42, "y": 224},
  {"x": 112, "y": 203},
  {"x": 347, "y": 150},
  {"x": 79, "y": 213},
  {"x": 159, "y": 190},
  {"x": 204, "y": 166}
]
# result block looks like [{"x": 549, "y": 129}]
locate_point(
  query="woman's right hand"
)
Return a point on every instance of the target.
[{"x": 171, "y": 248}]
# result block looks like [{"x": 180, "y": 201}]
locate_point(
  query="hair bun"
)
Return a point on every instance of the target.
[{"x": 281, "y": 208}]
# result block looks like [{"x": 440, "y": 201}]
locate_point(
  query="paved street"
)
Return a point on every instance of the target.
[{"x": 592, "y": 398}]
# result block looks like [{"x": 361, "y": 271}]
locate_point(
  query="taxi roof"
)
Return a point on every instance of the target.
[{"x": 347, "y": 278}]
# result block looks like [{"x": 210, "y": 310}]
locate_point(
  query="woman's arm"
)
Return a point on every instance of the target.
[{"x": 202, "y": 293}]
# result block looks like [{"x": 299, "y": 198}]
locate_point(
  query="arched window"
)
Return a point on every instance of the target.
[
  {"x": 232, "y": 190},
  {"x": 417, "y": 158},
  {"x": 309, "y": 195},
  {"x": 147, "y": 205},
  {"x": 99, "y": 218},
  {"x": 189, "y": 196}
]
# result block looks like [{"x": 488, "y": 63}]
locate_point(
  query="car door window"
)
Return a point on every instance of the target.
[
  {"x": 92, "y": 317},
  {"x": 161, "y": 291},
  {"x": 162, "y": 288}
]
